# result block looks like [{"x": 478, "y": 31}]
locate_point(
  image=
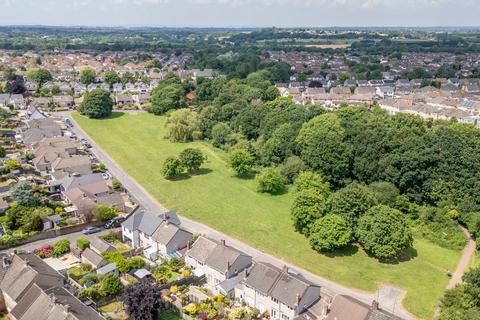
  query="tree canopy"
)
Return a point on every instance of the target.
[{"x": 96, "y": 104}]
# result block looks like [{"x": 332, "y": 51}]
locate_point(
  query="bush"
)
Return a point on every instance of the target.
[
  {"x": 111, "y": 285},
  {"x": 116, "y": 184},
  {"x": 329, "y": 233},
  {"x": 61, "y": 247},
  {"x": 136, "y": 263},
  {"x": 83, "y": 243},
  {"x": 92, "y": 293},
  {"x": 104, "y": 213},
  {"x": 241, "y": 161},
  {"x": 171, "y": 167},
  {"x": 271, "y": 181},
  {"x": 43, "y": 252}
]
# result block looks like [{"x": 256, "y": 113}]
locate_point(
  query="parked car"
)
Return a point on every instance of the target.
[
  {"x": 105, "y": 176},
  {"x": 114, "y": 223},
  {"x": 90, "y": 230}
]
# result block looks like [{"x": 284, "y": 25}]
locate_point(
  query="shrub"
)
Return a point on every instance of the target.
[
  {"x": 191, "y": 309},
  {"x": 111, "y": 285},
  {"x": 136, "y": 263},
  {"x": 83, "y": 243},
  {"x": 271, "y": 181},
  {"x": 104, "y": 213},
  {"x": 61, "y": 247},
  {"x": 44, "y": 251},
  {"x": 92, "y": 293},
  {"x": 171, "y": 167},
  {"x": 116, "y": 184}
]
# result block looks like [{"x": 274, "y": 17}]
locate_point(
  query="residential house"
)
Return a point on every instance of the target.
[
  {"x": 39, "y": 129},
  {"x": 50, "y": 149},
  {"x": 33, "y": 290},
  {"x": 123, "y": 99},
  {"x": 142, "y": 98},
  {"x": 63, "y": 101},
  {"x": 282, "y": 294},
  {"x": 386, "y": 92},
  {"x": 216, "y": 261},
  {"x": 22, "y": 272},
  {"x": 158, "y": 234},
  {"x": 346, "y": 308},
  {"x": 73, "y": 164},
  {"x": 40, "y": 102}
]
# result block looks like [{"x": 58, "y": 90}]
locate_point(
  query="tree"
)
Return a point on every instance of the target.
[
  {"x": 16, "y": 85},
  {"x": 83, "y": 243},
  {"x": 279, "y": 146},
  {"x": 322, "y": 147},
  {"x": 171, "y": 167},
  {"x": 329, "y": 233},
  {"x": 241, "y": 161},
  {"x": 104, "y": 213},
  {"x": 127, "y": 77},
  {"x": 167, "y": 97},
  {"x": 192, "y": 159},
  {"x": 270, "y": 94},
  {"x": 111, "y": 77},
  {"x": 111, "y": 284},
  {"x": 96, "y": 104},
  {"x": 39, "y": 75},
  {"x": 142, "y": 300},
  {"x": 23, "y": 194},
  {"x": 183, "y": 126},
  {"x": 55, "y": 90},
  {"x": 270, "y": 180},
  {"x": 384, "y": 232},
  {"x": 221, "y": 134},
  {"x": 37, "y": 223},
  {"x": 385, "y": 192},
  {"x": 61, "y": 247},
  {"x": 136, "y": 262},
  {"x": 292, "y": 167},
  {"x": 87, "y": 75},
  {"x": 308, "y": 206},
  {"x": 308, "y": 180},
  {"x": 351, "y": 202}
]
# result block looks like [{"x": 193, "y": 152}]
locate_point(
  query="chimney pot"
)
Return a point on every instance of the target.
[
  {"x": 285, "y": 268},
  {"x": 375, "y": 305},
  {"x": 222, "y": 242}
]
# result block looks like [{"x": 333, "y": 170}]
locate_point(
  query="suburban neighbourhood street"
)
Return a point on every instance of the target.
[{"x": 389, "y": 298}]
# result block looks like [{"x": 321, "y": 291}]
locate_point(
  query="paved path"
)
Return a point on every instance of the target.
[
  {"x": 464, "y": 262},
  {"x": 388, "y": 301}
]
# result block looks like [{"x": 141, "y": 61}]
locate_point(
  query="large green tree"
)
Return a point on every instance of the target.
[
  {"x": 351, "y": 202},
  {"x": 39, "y": 75},
  {"x": 241, "y": 161},
  {"x": 270, "y": 180},
  {"x": 322, "y": 147},
  {"x": 329, "y": 233},
  {"x": 192, "y": 159},
  {"x": 87, "y": 75},
  {"x": 96, "y": 104},
  {"x": 384, "y": 232},
  {"x": 167, "y": 97},
  {"x": 308, "y": 207},
  {"x": 183, "y": 126}
]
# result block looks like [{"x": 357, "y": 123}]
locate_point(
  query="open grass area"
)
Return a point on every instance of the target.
[{"x": 232, "y": 205}]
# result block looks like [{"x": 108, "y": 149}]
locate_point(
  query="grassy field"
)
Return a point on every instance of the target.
[{"x": 232, "y": 205}]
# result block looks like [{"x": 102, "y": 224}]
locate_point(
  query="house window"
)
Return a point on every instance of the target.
[
  {"x": 274, "y": 300},
  {"x": 273, "y": 313},
  {"x": 285, "y": 317}
]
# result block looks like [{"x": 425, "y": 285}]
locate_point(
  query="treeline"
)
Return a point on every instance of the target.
[{"x": 420, "y": 177}]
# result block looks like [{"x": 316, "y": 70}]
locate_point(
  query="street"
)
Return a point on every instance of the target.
[{"x": 389, "y": 298}]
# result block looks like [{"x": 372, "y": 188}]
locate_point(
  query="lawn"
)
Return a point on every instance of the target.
[
  {"x": 224, "y": 202},
  {"x": 169, "y": 315},
  {"x": 114, "y": 310},
  {"x": 76, "y": 273}
]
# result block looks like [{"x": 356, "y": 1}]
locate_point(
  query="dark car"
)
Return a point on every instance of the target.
[
  {"x": 114, "y": 223},
  {"x": 90, "y": 230}
]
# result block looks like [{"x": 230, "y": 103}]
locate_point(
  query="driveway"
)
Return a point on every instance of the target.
[{"x": 390, "y": 298}]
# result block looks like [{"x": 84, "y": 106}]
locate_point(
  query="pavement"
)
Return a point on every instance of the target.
[{"x": 390, "y": 298}]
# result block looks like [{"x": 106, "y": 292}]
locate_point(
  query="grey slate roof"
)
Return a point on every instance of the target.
[
  {"x": 347, "y": 308},
  {"x": 52, "y": 304},
  {"x": 26, "y": 269},
  {"x": 201, "y": 249},
  {"x": 277, "y": 283},
  {"x": 168, "y": 232},
  {"x": 94, "y": 258},
  {"x": 101, "y": 245},
  {"x": 144, "y": 221},
  {"x": 107, "y": 268}
]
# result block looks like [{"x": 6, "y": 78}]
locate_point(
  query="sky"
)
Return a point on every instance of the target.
[{"x": 240, "y": 13}]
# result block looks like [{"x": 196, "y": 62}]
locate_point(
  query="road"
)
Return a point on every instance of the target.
[
  {"x": 390, "y": 299},
  {"x": 72, "y": 237}
]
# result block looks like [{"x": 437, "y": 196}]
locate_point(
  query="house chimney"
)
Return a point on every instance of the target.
[
  {"x": 189, "y": 245},
  {"x": 5, "y": 262},
  {"x": 285, "y": 268},
  {"x": 228, "y": 266},
  {"x": 374, "y": 305},
  {"x": 245, "y": 274},
  {"x": 222, "y": 242},
  {"x": 297, "y": 300}
]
